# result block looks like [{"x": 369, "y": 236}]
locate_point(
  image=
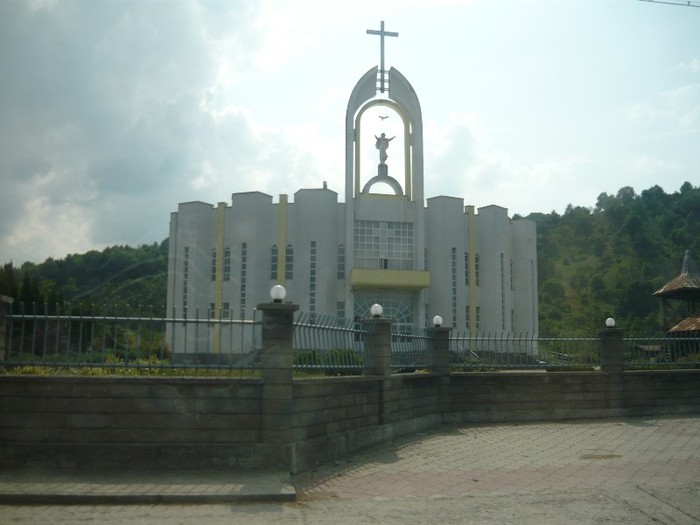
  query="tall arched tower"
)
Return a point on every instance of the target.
[
  {"x": 385, "y": 232},
  {"x": 402, "y": 99},
  {"x": 387, "y": 243}
]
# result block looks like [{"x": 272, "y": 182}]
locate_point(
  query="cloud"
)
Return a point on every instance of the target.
[
  {"x": 105, "y": 124},
  {"x": 679, "y": 107},
  {"x": 115, "y": 112},
  {"x": 692, "y": 66},
  {"x": 467, "y": 163},
  {"x": 645, "y": 167}
]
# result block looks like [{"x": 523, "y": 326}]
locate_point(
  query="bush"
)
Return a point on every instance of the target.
[{"x": 336, "y": 361}]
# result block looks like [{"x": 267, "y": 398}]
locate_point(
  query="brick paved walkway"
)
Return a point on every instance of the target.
[
  {"x": 634, "y": 471},
  {"x": 144, "y": 487},
  {"x": 517, "y": 458}
]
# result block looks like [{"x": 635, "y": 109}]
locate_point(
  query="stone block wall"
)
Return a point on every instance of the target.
[
  {"x": 414, "y": 396},
  {"x": 281, "y": 422},
  {"x": 531, "y": 396},
  {"x": 102, "y": 422},
  {"x": 660, "y": 392},
  {"x": 334, "y": 417},
  {"x": 334, "y": 405}
]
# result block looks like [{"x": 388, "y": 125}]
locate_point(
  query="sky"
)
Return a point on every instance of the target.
[{"x": 114, "y": 112}]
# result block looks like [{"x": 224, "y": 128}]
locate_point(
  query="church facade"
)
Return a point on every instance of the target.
[{"x": 385, "y": 244}]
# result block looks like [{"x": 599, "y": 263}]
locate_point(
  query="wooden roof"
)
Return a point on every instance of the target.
[
  {"x": 686, "y": 283},
  {"x": 689, "y": 324}
]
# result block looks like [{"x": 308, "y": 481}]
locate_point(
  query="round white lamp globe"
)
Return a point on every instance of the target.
[
  {"x": 376, "y": 310},
  {"x": 610, "y": 322},
  {"x": 278, "y": 293},
  {"x": 437, "y": 320}
]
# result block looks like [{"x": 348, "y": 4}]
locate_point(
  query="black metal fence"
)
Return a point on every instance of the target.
[
  {"x": 80, "y": 339},
  {"x": 672, "y": 350},
  {"x": 328, "y": 344},
  {"x": 523, "y": 351},
  {"x": 74, "y": 338},
  {"x": 411, "y": 350}
]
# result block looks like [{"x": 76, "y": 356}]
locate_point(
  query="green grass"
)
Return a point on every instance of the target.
[{"x": 110, "y": 365}]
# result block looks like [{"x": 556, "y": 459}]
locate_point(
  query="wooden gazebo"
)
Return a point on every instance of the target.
[{"x": 681, "y": 299}]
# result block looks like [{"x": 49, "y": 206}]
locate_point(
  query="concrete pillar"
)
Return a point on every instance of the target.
[
  {"x": 5, "y": 309},
  {"x": 612, "y": 362},
  {"x": 278, "y": 398},
  {"x": 378, "y": 347},
  {"x": 440, "y": 342},
  {"x": 612, "y": 356},
  {"x": 378, "y": 363}
]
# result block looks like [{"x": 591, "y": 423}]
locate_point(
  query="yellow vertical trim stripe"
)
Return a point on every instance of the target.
[
  {"x": 219, "y": 275},
  {"x": 472, "y": 248},
  {"x": 282, "y": 239}
]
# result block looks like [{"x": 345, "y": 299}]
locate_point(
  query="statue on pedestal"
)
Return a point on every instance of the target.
[{"x": 382, "y": 144}]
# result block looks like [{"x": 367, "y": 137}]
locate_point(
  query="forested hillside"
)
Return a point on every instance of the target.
[
  {"x": 609, "y": 259},
  {"x": 118, "y": 280},
  {"x": 595, "y": 262}
]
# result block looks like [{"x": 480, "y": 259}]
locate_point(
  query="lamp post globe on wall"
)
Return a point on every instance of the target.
[
  {"x": 376, "y": 310},
  {"x": 278, "y": 293}
]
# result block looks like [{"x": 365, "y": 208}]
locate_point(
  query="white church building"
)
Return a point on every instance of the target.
[{"x": 386, "y": 243}]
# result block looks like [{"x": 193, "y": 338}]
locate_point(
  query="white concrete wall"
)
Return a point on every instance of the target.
[
  {"x": 251, "y": 219},
  {"x": 446, "y": 229},
  {"x": 493, "y": 240},
  {"x": 316, "y": 215},
  {"x": 525, "y": 300},
  {"x": 313, "y": 216}
]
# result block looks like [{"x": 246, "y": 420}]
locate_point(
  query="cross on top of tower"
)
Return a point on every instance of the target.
[{"x": 381, "y": 34}]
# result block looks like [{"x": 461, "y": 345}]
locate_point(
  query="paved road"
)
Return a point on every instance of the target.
[{"x": 638, "y": 470}]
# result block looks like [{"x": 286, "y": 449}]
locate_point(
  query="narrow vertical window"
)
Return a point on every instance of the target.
[
  {"x": 476, "y": 268},
  {"x": 223, "y": 312},
  {"x": 312, "y": 279},
  {"x": 503, "y": 293},
  {"x": 227, "y": 264},
  {"x": 341, "y": 262},
  {"x": 453, "y": 260},
  {"x": 185, "y": 279},
  {"x": 274, "y": 258},
  {"x": 478, "y": 317},
  {"x": 466, "y": 312},
  {"x": 466, "y": 268},
  {"x": 340, "y": 307},
  {"x": 244, "y": 276},
  {"x": 511, "y": 274},
  {"x": 289, "y": 263},
  {"x": 213, "y": 264}
]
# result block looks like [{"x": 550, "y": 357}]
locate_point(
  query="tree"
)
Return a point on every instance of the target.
[{"x": 8, "y": 281}]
